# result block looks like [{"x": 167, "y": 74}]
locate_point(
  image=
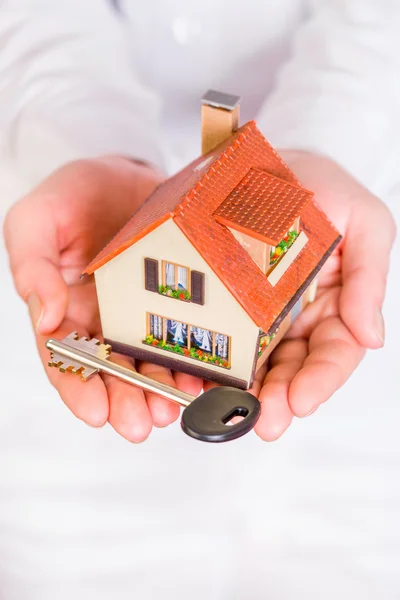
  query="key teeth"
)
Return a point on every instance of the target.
[
  {"x": 70, "y": 368},
  {"x": 87, "y": 373},
  {"x": 72, "y": 336},
  {"x": 93, "y": 342},
  {"x": 92, "y": 346},
  {"x": 53, "y": 363}
]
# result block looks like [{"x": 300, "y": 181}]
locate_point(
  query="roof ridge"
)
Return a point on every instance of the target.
[
  {"x": 223, "y": 157},
  {"x": 296, "y": 184}
]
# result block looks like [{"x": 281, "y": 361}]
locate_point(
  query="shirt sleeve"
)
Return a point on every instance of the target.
[
  {"x": 339, "y": 93},
  {"x": 68, "y": 88}
]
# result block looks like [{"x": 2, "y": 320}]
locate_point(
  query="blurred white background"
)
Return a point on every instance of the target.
[{"x": 86, "y": 515}]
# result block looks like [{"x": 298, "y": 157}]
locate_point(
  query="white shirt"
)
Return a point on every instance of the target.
[
  {"x": 83, "y": 514},
  {"x": 83, "y": 78}
]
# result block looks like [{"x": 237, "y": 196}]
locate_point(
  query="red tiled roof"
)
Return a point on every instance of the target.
[
  {"x": 192, "y": 197},
  {"x": 162, "y": 203},
  {"x": 263, "y": 206}
]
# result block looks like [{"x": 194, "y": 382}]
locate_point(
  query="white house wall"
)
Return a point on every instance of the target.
[{"x": 124, "y": 301}]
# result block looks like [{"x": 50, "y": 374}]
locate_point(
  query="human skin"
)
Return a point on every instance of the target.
[{"x": 52, "y": 234}]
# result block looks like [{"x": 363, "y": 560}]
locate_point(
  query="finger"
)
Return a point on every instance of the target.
[
  {"x": 334, "y": 353},
  {"x": 324, "y": 306},
  {"x": 255, "y": 387},
  {"x": 163, "y": 412},
  {"x": 129, "y": 413},
  {"x": 366, "y": 250},
  {"x": 83, "y": 308},
  {"x": 259, "y": 379},
  {"x": 31, "y": 241},
  {"x": 86, "y": 400},
  {"x": 188, "y": 383},
  {"x": 276, "y": 414}
]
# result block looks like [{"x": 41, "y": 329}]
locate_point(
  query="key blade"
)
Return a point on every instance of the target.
[{"x": 67, "y": 350}]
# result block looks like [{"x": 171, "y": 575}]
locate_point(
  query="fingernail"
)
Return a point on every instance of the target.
[
  {"x": 314, "y": 408},
  {"x": 35, "y": 310},
  {"x": 380, "y": 326}
]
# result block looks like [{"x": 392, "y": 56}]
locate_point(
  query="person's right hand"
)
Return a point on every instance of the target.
[{"x": 51, "y": 235}]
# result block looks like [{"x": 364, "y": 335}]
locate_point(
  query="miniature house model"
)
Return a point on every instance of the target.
[{"x": 208, "y": 274}]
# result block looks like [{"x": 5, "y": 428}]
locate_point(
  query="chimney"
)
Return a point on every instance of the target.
[{"x": 219, "y": 118}]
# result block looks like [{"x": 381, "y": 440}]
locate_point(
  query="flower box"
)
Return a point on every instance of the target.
[
  {"x": 194, "y": 353},
  {"x": 166, "y": 290},
  {"x": 282, "y": 247}
]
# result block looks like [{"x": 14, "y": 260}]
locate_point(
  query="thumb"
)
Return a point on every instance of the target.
[
  {"x": 365, "y": 255},
  {"x": 31, "y": 240}
]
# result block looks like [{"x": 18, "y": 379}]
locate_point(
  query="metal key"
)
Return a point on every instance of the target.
[{"x": 205, "y": 418}]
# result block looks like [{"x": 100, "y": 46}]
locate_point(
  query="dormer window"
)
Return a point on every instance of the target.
[
  {"x": 263, "y": 214},
  {"x": 277, "y": 252}
]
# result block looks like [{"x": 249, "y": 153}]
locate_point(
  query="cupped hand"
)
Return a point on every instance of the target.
[
  {"x": 329, "y": 339},
  {"x": 54, "y": 232},
  {"x": 51, "y": 236}
]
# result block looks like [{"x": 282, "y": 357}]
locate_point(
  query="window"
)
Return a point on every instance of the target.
[
  {"x": 285, "y": 260},
  {"x": 177, "y": 281},
  {"x": 222, "y": 345},
  {"x": 156, "y": 327},
  {"x": 264, "y": 342},
  {"x": 201, "y": 339},
  {"x": 188, "y": 340},
  {"x": 276, "y": 252},
  {"x": 177, "y": 333},
  {"x": 175, "y": 276}
]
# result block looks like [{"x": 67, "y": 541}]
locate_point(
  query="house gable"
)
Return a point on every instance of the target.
[{"x": 124, "y": 302}]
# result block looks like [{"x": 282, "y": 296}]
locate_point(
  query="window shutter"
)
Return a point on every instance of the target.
[
  {"x": 197, "y": 287},
  {"x": 151, "y": 274}
]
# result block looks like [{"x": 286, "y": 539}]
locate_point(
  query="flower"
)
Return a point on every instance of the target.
[{"x": 194, "y": 353}]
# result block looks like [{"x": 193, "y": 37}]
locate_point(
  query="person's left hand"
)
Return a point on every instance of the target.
[{"x": 328, "y": 340}]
